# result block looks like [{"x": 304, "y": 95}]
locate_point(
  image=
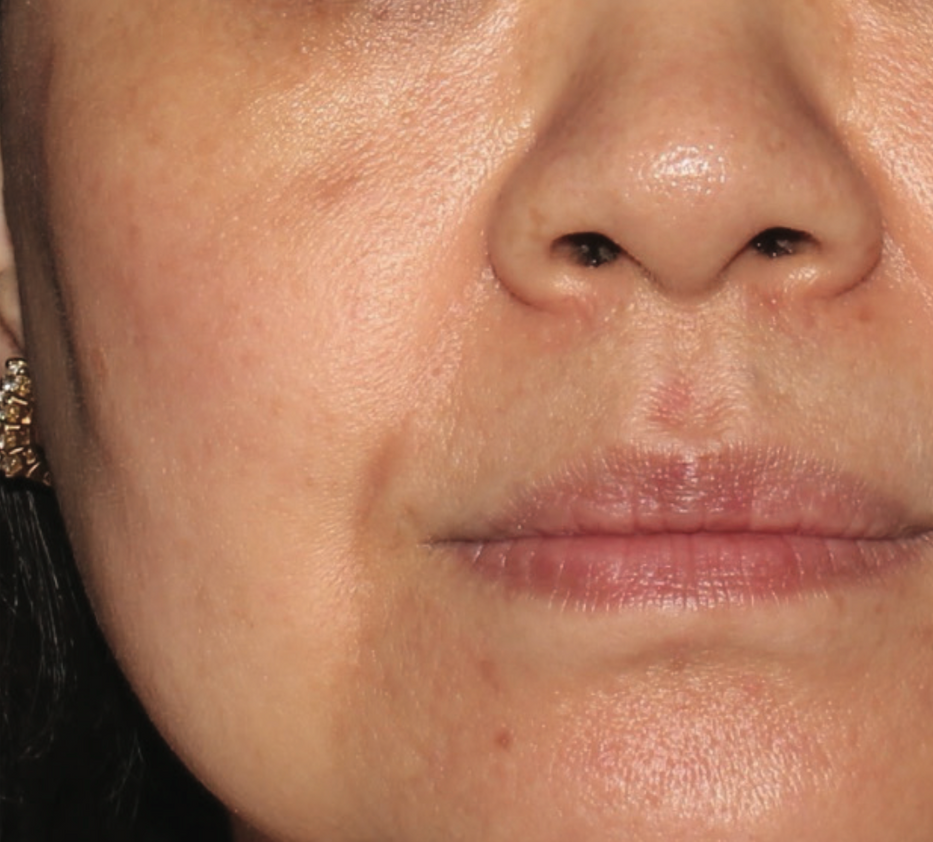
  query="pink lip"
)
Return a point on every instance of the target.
[{"x": 629, "y": 529}]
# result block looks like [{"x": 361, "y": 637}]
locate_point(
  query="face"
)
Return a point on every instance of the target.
[{"x": 497, "y": 419}]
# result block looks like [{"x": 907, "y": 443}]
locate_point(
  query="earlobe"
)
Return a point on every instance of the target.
[
  {"x": 11, "y": 323},
  {"x": 11, "y": 337}
]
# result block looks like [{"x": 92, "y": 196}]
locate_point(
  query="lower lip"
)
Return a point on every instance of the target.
[{"x": 701, "y": 570}]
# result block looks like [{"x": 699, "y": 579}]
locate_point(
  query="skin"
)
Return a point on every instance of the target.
[{"x": 291, "y": 298}]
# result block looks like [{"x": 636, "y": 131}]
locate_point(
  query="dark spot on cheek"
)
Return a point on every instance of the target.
[
  {"x": 504, "y": 739},
  {"x": 865, "y": 314}
]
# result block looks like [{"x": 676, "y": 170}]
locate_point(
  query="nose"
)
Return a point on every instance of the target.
[{"x": 705, "y": 152}]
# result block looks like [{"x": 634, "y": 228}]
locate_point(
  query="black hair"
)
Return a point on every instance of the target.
[{"x": 79, "y": 759}]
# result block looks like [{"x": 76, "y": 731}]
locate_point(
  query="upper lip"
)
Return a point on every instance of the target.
[{"x": 628, "y": 491}]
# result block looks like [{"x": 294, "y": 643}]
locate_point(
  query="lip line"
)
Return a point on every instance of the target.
[{"x": 524, "y": 533}]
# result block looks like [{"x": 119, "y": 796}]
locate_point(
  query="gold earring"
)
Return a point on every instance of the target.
[{"x": 20, "y": 456}]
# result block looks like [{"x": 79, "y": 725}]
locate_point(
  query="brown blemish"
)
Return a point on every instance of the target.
[
  {"x": 865, "y": 314},
  {"x": 504, "y": 739}
]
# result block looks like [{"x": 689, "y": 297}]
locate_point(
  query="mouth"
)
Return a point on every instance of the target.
[{"x": 629, "y": 529}]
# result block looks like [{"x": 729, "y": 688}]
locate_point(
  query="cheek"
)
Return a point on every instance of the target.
[
  {"x": 890, "y": 124},
  {"x": 204, "y": 296},
  {"x": 274, "y": 261},
  {"x": 258, "y": 272},
  {"x": 253, "y": 369}
]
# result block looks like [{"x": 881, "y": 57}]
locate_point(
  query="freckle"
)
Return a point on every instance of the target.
[
  {"x": 504, "y": 739},
  {"x": 865, "y": 314},
  {"x": 330, "y": 191}
]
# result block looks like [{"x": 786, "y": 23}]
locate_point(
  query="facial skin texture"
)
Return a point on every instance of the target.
[{"x": 296, "y": 314}]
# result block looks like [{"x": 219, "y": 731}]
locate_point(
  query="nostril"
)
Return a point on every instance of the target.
[
  {"x": 588, "y": 248},
  {"x": 780, "y": 242}
]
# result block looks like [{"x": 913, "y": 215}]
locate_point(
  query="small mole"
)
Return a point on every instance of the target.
[{"x": 504, "y": 739}]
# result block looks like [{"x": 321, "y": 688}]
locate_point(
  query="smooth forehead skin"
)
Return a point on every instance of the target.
[{"x": 305, "y": 320}]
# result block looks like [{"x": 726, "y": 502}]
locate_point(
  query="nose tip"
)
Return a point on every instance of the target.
[{"x": 686, "y": 182}]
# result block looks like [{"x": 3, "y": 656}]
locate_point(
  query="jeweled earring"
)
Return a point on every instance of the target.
[{"x": 20, "y": 456}]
